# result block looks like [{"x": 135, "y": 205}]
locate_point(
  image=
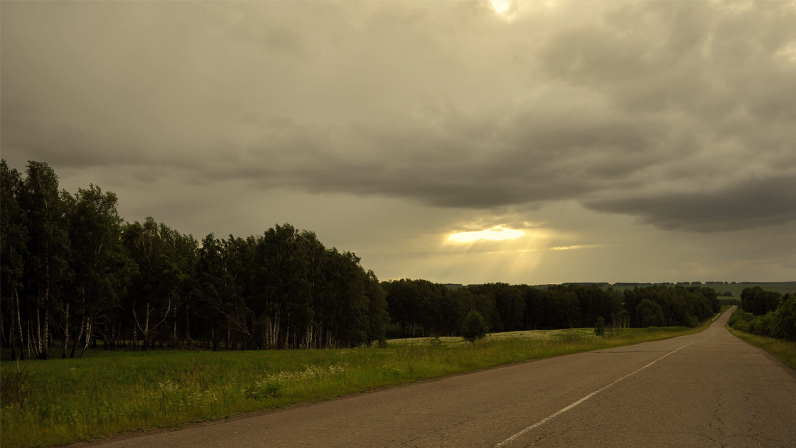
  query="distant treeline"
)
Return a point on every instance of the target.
[
  {"x": 766, "y": 313},
  {"x": 422, "y": 308},
  {"x": 74, "y": 272}
]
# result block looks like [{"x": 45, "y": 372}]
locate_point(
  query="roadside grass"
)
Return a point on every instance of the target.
[
  {"x": 106, "y": 393},
  {"x": 781, "y": 349}
]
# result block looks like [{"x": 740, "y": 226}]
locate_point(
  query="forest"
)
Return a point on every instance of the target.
[
  {"x": 422, "y": 308},
  {"x": 75, "y": 274}
]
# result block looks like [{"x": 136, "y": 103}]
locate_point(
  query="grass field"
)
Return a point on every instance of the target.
[
  {"x": 783, "y": 350},
  {"x": 57, "y": 402}
]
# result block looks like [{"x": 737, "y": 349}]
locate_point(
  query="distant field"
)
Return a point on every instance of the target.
[
  {"x": 735, "y": 289},
  {"x": 106, "y": 393},
  {"x": 531, "y": 335}
]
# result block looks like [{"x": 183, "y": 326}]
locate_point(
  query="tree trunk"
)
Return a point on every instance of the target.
[
  {"x": 3, "y": 331},
  {"x": 30, "y": 346},
  {"x": 13, "y": 334},
  {"x": 88, "y": 336},
  {"x": 174, "y": 333},
  {"x": 187, "y": 327},
  {"x": 37, "y": 345},
  {"x": 146, "y": 327},
  {"x": 19, "y": 327},
  {"x": 79, "y": 335},
  {"x": 66, "y": 332}
]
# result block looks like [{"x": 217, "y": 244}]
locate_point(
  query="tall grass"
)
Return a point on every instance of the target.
[{"x": 111, "y": 392}]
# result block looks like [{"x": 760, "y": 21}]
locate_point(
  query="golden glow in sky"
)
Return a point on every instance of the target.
[
  {"x": 500, "y": 6},
  {"x": 496, "y": 233}
]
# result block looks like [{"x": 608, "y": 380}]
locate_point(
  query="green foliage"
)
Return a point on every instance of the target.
[
  {"x": 649, "y": 314},
  {"x": 621, "y": 319},
  {"x": 72, "y": 269},
  {"x": 474, "y": 326},
  {"x": 785, "y": 327},
  {"x": 13, "y": 248},
  {"x": 599, "y": 327},
  {"x": 676, "y": 303},
  {"x": 779, "y": 323},
  {"x": 758, "y": 301}
]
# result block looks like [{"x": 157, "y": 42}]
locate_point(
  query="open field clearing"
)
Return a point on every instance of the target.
[
  {"x": 57, "y": 402},
  {"x": 530, "y": 335}
]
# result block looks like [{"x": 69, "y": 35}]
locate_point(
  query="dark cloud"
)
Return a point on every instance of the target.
[
  {"x": 745, "y": 205},
  {"x": 658, "y": 110}
]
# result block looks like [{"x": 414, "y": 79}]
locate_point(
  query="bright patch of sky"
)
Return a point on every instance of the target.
[
  {"x": 496, "y": 233},
  {"x": 500, "y": 6}
]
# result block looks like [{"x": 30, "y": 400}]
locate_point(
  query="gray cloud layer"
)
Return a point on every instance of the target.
[
  {"x": 682, "y": 114},
  {"x": 741, "y": 206}
]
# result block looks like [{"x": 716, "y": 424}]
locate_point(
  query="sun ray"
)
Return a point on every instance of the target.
[{"x": 496, "y": 233}]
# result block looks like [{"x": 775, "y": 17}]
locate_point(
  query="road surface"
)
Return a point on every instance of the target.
[{"x": 704, "y": 390}]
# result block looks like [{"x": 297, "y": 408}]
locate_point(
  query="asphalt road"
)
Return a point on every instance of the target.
[{"x": 703, "y": 390}]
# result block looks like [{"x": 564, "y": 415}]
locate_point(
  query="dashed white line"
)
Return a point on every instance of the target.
[{"x": 561, "y": 411}]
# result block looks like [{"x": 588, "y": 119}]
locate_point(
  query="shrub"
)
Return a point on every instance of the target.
[
  {"x": 785, "y": 324},
  {"x": 763, "y": 325},
  {"x": 474, "y": 326},
  {"x": 740, "y": 317},
  {"x": 742, "y": 325},
  {"x": 599, "y": 327}
]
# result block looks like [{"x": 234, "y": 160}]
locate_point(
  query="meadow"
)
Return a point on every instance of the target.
[{"x": 57, "y": 402}]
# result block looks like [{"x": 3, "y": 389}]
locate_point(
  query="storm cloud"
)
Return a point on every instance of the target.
[
  {"x": 741, "y": 206},
  {"x": 680, "y": 114}
]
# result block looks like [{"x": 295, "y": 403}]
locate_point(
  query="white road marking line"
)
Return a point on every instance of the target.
[{"x": 552, "y": 416}]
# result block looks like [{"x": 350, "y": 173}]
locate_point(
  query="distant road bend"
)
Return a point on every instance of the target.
[{"x": 704, "y": 390}]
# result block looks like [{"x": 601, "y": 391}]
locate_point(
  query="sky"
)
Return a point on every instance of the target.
[{"x": 454, "y": 141}]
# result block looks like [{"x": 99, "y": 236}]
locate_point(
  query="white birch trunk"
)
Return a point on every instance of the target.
[{"x": 66, "y": 332}]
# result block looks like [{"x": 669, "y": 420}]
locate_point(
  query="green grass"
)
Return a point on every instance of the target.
[
  {"x": 781, "y": 349},
  {"x": 106, "y": 393}
]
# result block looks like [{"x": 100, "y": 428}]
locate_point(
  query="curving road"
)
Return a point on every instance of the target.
[{"x": 703, "y": 390}]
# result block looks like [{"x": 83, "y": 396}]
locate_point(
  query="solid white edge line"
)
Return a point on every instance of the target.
[{"x": 552, "y": 416}]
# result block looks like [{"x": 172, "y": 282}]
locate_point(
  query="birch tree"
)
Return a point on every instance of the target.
[
  {"x": 48, "y": 252},
  {"x": 13, "y": 240},
  {"x": 100, "y": 265},
  {"x": 154, "y": 281}
]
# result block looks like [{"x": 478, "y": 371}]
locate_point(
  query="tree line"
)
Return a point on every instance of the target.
[
  {"x": 422, "y": 308},
  {"x": 766, "y": 313},
  {"x": 74, "y": 271}
]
